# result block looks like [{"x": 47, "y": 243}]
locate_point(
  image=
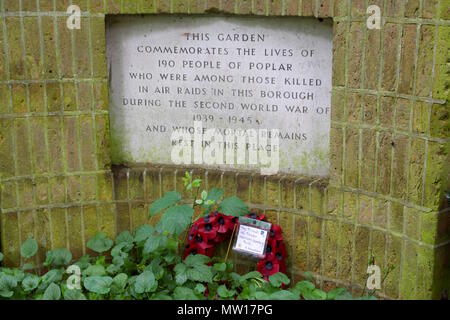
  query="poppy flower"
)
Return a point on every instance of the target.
[
  {"x": 254, "y": 215},
  {"x": 276, "y": 233},
  {"x": 199, "y": 248},
  {"x": 207, "y": 230},
  {"x": 268, "y": 267},
  {"x": 224, "y": 223}
]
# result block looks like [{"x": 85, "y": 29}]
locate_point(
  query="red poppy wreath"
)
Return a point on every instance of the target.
[{"x": 217, "y": 227}]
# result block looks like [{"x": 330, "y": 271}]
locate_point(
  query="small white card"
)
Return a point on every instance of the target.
[{"x": 251, "y": 240}]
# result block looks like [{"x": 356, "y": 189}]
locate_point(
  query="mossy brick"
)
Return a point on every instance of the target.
[
  {"x": 43, "y": 233},
  {"x": 416, "y": 171},
  {"x": 65, "y": 57},
  {"x": 339, "y": 46},
  {"x": 136, "y": 185},
  {"x": 87, "y": 147},
  {"x": 257, "y": 190},
  {"x": 62, "y": 5},
  {"x": 22, "y": 142},
  {"x": 397, "y": 215},
  {"x": 441, "y": 83},
  {"x": 394, "y": 9},
  {"x": 400, "y": 165},
  {"x": 345, "y": 252},
  {"x": 287, "y": 194},
  {"x": 243, "y": 186},
  {"x": 391, "y": 39},
  {"x": 10, "y": 246},
  {"x": 16, "y": 53},
  {"x": 8, "y": 195},
  {"x": 46, "y": 5},
  {"x": 425, "y": 60},
  {"x": 425, "y": 273},
  {"x": 357, "y": 8},
  {"x": 368, "y": 148},
  {"x": 362, "y": 237},
  {"x": 104, "y": 186},
  {"x": 378, "y": 248},
  {"x": 168, "y": 180},
  {"x": 380, "y": 213},
  {"x": 84, "y": 89},
  {"x": 7, "y": 165},
  {"x": 384, "y": 163},
  {"x": 75, "y": 231},
  {"x": 435, "y": 178},
  {"x": 315, "y": 244},
  {"x": 163, "y": 7},
  {"x": 338, "y": 102},
  {"x": 350, "y": 206},
  {"x": 259, "y": 7},
  {"x": 103, "y": 146},
  {"x": 412, "y": 222},
  {"x": 33, "y": 61},
  {"x": 53, "y": 91},
  {"x": 27, "y": 226},
  {"x": 42, "y": 194},
  {"x": 54, "y": 136},
  {"x": 120, "y": 186},
  {"x": 272, "y": 192},
  {"x": 185, "y": 194},
  {"x": 88, "y": 187},
  {"x": 444, "y": 10},
  {"x": 81, "y": 55},
  {"x": 37, "y": 102},
  {"x": 340, "y": 8},
  {"x": 139, "y": 215},
  {"x": 3, "y": 63},
  {"x": 91, "y": 224},
  {"x": 441, "y": 272},
  {"x": 355, "y": 47},
  {"x": 107, "y": 222},
  {"x": 292, "y": 7},
  {"x": 409, "y": 271},
  {"x": 286, "y": 222},
  {"x": 275, "y": 7},
  {"x": 123, "y": 219},
  {"x": 394, "y": 253},
  {"x": 19, "y": 98},
  {"x": 73, "y": 189},
  {"x": 430, "y": 8},
  {"x": 11, "y": 5},
  {"x": 302, "y": 196},
  {"x": 365, "y": 210},
  {"x": 4, "y": 97},
  {"x": 152, "y": 191},
  {"x": 57, "y": 189},
  {"x": 336, "y": 154},
  {"x": 386, "y": 110},
  {"x": 98, "y": 42},
  {"x": 49, "y": 49},
  {"x": 353, "y": 114},
  {"x": 412, "y": 9},
  {"x": 243, "y": 7},
  {"x": 420, "y": 117},
  {"x": 300, "y": 251},
  {"x": 71, "y": 141},
  {"x": 334, "y": 201},
  {"x": 195, "y": 6},
  {"x": 308, "y": 8},
  {"x": 70, "y": 102},
  {"x": 429, "y": 227},
  {"x": 372, "y": 59},
  {"x": 316, "y": 195},
  {"x": 407, "y": 61},
  {"x": 97, "y": 6},
  {"x": 351, "y": 157},
  {"x": 129, "y": 6},
  {"x": 330, "y": 248},
  {"x": 440, "y": 124},
  {"x": 112, "y": 6},
  {"x": 59, "y": 228},
  {"x": 324, "y": 8},
  {"x": 402, "y": 114}
]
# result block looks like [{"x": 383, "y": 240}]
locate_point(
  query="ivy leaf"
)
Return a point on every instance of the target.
[
  {"x": 124, "y": 236},
  {"x": 184, "y": 293},
  {"x": 169, "y": 199},
  {"x": 58, "y": 257},
  {"x": 53, "y": 292},
  {"x": 119, "y": 283},
  {"x": 283, "y": 295},
  {"x": 73, "y": 294},
  {"x": 95, "y": 270},
  {"x": 100, "y": 243},
  {"x": 52, "y": 276},
  {"x": 28, "y": 248},
  {"x": 233, "y": 206},
  {"x": 279, "y": 279},
  {"x": 176, "y": 219},
  {"x": 7, "y": 285},
  {"x": 145, "y": 282},
  {"x": 98, "y": 284},
  {"x": 30, "y": 282}
]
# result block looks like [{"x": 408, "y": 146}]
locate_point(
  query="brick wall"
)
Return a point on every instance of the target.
[{"x": 389, "y": 141}]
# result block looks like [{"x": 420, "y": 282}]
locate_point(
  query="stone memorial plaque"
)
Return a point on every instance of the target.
[{"x": 269, "y": 76}]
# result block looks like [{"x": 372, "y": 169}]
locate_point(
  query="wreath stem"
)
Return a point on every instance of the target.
[{"x": 231, "y": 240}]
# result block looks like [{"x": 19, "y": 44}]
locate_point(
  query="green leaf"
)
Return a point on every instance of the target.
[
  {"x": 7, "y": 285},
  {"x": 199, "y": 288},
  {"x": 95, "y": 270},
  {"x": 233, "y": 206},
  {"x": 279, "y": 279},
  {"x": 184, "y": 293},
  {"x": 283, "y": 295},
  {"x": 73, "y": 294},
  {"x": 1, "y": 257},
  {"x": 98, "y": 284},
  {"x": 315, "y": 294},
  {"x": 196, "y": 259},
  {"x": 143, "y": 233},
  {"x": 28, "y": 248},
  {"x": 169, "y": 199},
  {"x": 250, "y": 275},
  {"x": 331, "y": 295},
  {"x": 100, "y": 243},
  {"x": 30, "y": 282},
  {"x": 220, "y": 267},
  {"x": 53, "y": 292},
  {"x": 52, "y": 276},
  {"x": 124, "y": 236},
  {"x": 58, "y": 257},
  {"x": 176, "y": 219},
  {"x": 145, "y": 282},
  {"x": 303, "y": 287},
  {"x": 200, "y": 272},
  {"x": 308, "y": 275},
  {"x": 180, "y": 273},
  {"x": 223, "y": 292},
  {"x": 153, "y": 243},
  {"x": 214, "y": 194},
  {"x": 119, "y": 283}
]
